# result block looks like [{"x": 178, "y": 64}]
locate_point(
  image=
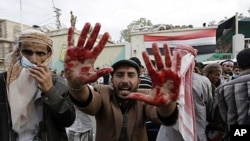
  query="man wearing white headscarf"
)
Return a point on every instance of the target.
[{"x": 34, "y": 103}]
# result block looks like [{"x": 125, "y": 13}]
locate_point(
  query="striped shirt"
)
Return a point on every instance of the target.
[
  {"x": 145, "y": 83},
  {"x": 233, "y": 100}
]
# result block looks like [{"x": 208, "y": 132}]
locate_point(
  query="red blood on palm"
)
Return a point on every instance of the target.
[
  {"x": 78, "y": 54},
  {"x": 165, "y": 76},
  {"x": 83, "y": 55},
  {"x": 162, "y": 76},
  {"x": 160, "y": 100},
  {"x": 85, "y": 69}
]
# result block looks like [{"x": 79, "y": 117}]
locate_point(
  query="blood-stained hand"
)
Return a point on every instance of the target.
[
  {"x": 165, "y": 78},
  {"x": 79, "y": 60}
]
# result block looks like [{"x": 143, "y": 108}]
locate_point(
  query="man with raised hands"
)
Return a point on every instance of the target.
[{"x": 121, "y": 109}]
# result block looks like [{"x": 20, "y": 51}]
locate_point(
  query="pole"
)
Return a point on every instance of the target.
[
  {"x": 21, "y": 16},
  {"x": 236, "y": 24}
]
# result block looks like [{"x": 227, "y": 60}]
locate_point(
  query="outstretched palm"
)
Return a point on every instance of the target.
[
  {"x": 165, "y": 78},
  {"x": 79, "y": 61}
]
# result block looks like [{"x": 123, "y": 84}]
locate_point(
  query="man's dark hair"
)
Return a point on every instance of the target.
[{"x": 243, "y": 60}]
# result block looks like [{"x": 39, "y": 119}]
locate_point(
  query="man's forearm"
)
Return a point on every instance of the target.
[
  {"x": 80, "y": 94},
  {"x": 167, "y": 110}
]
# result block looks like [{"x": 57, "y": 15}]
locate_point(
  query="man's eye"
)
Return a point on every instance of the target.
[
  {"x": 41, "y": 54},
  {"x": 131, "y": 75},
  {"x": 119, "y": 75}
]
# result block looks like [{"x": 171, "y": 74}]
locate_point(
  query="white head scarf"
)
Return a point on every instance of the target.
[{"x": 13, "y": 59}]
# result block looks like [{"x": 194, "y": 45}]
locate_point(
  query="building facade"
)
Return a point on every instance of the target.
[{"x": 9, "y": 32}]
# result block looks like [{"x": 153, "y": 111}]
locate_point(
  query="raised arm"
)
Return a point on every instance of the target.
[
  {"x": 165, "y": 78},
  {"x": 79, "y": 60}
]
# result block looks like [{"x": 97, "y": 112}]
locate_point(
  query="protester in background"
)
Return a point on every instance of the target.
[
  {"x": 34, "y": 103},
  {"x": 62, "y": 74},
  {"x": 215, "y": 127},
  {"x": 106, "y": 79},
  {"x": 236, "y": 71},
  {"x": 145, "y": 82},
  {"x": 202, "y": 93},
  {"x": 199, "y": 67},
  {"x": 121, "y": 110},
  {"x": 100, "y": 80},
  {"x": 213, "y": 72},
  {"x": 83, "y": 127},
  {"x": 233, "y": 96},
  {"x": 227, "y": 71}
]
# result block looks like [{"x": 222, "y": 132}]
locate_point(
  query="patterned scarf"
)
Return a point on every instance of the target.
[{"x": 186, "y": 121}]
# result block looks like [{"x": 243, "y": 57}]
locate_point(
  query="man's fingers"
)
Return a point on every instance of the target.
[
  {"x": 168, "y": 61},
  {"x": 104, "y": 71},
  {"x": 89, "y": 77},
  {"x": 83, "y": 35},
  {"x": 178, "y": 62},
  {"x": 148, "y": 99},
  {"x": 157, "y": 55},
  {"x": 150, "y": 67},
  {"x": 98, "y": 49},
  {"x": 140, "y": 97},
  {"x": 93, "y": 36},
  {"x": 71, "y": 37}
]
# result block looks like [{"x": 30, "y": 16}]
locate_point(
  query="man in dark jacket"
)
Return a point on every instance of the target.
[
  {"x": 34, "y": 103},
  {"x": 233, "y": 96}
]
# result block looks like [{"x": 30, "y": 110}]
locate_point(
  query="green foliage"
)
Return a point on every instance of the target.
[{"x": 125, "y": 34}]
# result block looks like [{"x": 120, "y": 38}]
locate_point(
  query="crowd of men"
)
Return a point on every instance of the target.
[{"x": 124, "y": 102}]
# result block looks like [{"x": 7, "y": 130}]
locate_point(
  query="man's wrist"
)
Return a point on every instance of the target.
[{"x": 75, "y": 88}]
